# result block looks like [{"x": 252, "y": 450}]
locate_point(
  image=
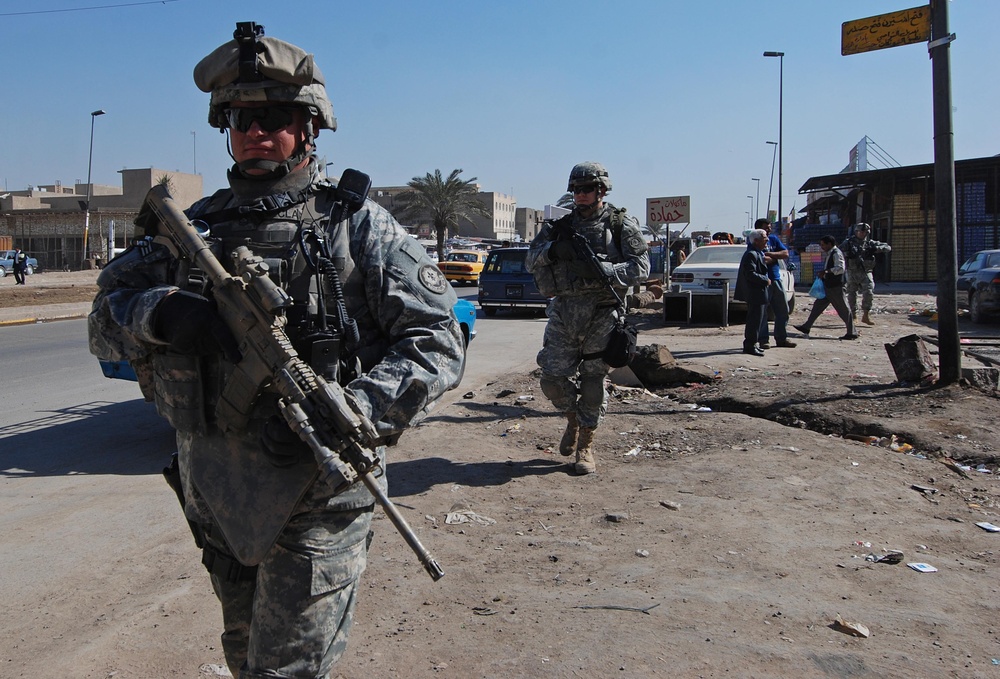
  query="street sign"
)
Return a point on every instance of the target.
[
  {"x": 905, "y": 27},
  {"x": 673, "y": 210}
]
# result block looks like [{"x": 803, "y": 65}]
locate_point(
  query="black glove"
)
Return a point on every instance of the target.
[
  {"x": 282, "y": 446},
  {"x": 562, "y": 250},
  {"x": 190, "y": 324}
]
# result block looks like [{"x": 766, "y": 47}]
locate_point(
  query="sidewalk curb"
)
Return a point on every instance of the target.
[{"x": 42, "y": 319}]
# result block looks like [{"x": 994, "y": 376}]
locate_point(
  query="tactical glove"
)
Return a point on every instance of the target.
[
  {"x": 190, "y": 324},
  {"x": 282, "y": 446},
  {"x": 562, "y": 250}
]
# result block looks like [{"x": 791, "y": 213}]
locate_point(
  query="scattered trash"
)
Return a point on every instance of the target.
[
  {"x": 511, "y": 429},
  {"x": 855, "y": 629},
  {"x": 988, "y": 527},
  {"x": 616, "y": 517},
  {"x": 482, "y": 610},
  {"x": 670, "y": 505},
  {"x": 927, "y": 490},
  {"x": 922, "y": 567},
  {"x": 645, "y": 610},
  {"x": 634, "y": 452},
  {"x": 641, "y": 553},
  {"x": 859, "y": 543},
  {"x": 525, "y": 398},
  {"x": 469, "y": 394},
  {"x": 505, "y": 393},
  {"x": 864, "y": 438},
  {"x": 891, "y": 556},
  {"x": 983, "y": 469},
  {"x": 214, "y": 670},
  {"x": 460, "y": 513},
  {"x": 956, "y": 467}
]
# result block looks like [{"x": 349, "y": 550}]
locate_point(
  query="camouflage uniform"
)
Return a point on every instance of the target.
[
  {"x": 284, "y": 550},
  {"x": 860, "y": 255},
  {"x": 583, "y": 312}
]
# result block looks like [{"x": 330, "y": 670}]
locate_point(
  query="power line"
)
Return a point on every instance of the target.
[{"x": 82, "y": 9}]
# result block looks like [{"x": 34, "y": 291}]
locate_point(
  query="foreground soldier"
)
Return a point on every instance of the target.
[
  {"x": 370, "y": 311},
  {"x": 583, "y": 310},
  {"x": 859, "y": 251}
]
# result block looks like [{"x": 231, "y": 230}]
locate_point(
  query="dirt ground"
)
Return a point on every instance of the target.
[{"x": 728, "y": 529}]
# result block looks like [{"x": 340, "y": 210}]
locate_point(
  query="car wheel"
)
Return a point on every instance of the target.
[
  {"x": 976, "y": 309},
  {"x": 29, "y": 271},
  {"x": 3, "y": 272},
  {"x": 490, "y": 311}
]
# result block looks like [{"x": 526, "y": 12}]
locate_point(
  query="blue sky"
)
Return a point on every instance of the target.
[{"x": 675, "y": 98}]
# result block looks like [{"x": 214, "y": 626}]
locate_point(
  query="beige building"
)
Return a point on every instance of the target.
[
  {"x": 499, "y": 225},
  {"x": 528, "y": 222},
  {"x": 48, "y": 221}
]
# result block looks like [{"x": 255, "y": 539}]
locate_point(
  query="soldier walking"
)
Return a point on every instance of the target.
[
  {"x": 584, "y": 309},
  {"x": 859, "y": 251}
]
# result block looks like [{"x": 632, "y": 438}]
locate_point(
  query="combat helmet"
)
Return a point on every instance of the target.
[
  {"x": 862, "y": 226},
  {"x": 255, "y": 68},
  {"x": 588, "y": 173}
]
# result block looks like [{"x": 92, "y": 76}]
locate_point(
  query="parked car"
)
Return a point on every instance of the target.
[
  {"x": 506, "y": 284},
  {"x": 463, "y": 266},
  {"x": 979, "y": 285},
  {"x": 464, "y": 310},
  {"x": 706, "y": 270},
  {"x": 7, "y": 263},
  {"x": 465, "y": 313}
]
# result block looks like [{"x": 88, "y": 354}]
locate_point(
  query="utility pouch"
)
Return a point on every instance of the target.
[
  {"x": 621, "y": 345},
  {"x": 178, "y": 391},
  {"x": 545, "y": 280}
]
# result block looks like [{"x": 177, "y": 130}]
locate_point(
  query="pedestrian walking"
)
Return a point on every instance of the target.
[
  {"x": 774, "y": 252},
  {"x": 752, "y": 283},
  {"x": 20, "y": 266},
  {"x": 584, "y": 308},
  {"x": 832, "y": 275}
]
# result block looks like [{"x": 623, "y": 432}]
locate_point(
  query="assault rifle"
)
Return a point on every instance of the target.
[
  {"x": 584, "y": 254},
  {"x": 323, "y": 415}
]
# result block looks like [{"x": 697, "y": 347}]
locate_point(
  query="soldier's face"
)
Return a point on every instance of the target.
[{"x": 258, "y": 143}]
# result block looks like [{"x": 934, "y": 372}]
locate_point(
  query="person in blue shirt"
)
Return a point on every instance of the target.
[{"x": 774, "y": 250}]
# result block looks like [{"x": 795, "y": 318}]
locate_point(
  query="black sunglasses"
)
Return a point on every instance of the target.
[
  {"x": 585, "y": 189},
  {"x": 270, "y": 118}
]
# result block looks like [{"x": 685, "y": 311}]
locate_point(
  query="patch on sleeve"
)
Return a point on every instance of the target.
[
  {"x": 636, "y": 243},
  {"x": 432, "y": 279}
]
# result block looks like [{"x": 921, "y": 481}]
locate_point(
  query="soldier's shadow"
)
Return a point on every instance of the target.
[{"x": 412, "y": 477}]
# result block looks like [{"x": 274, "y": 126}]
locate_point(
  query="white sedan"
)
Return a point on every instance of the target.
[{"x": 706, "y": 270}]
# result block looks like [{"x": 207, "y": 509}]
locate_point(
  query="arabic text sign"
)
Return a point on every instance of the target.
[
  {"x": 886, "y": 30},
  {"x": 674, "y": 210}
]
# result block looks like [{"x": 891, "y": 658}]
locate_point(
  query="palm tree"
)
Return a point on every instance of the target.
[
  {"x": 655, "y": 230},
  {"x": 443, "y": 201}
]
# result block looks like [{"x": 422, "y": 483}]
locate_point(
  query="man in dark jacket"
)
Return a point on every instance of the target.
[{"x": 751, "y": 287}]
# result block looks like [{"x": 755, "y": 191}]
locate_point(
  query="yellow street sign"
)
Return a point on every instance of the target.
[{"x": 886, "y": 30}]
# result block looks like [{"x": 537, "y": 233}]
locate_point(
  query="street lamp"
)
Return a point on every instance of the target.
[
  {"x": 757, "y": 211},
  {"x": 194, "y": 150},
  {"x": 90, "y": 164},
  {"x": 751, "y": 206},
  {"x": 781, "y": 146},
  {"x": 770, "y": 184}
]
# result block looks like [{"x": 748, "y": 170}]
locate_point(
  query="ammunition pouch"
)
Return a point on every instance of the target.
[{"x": 178, "y": 391}]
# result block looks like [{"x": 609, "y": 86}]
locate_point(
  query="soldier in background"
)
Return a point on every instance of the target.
[
  {"x": 859, "y": 251},
  {"x": 284, "y": 549},
  {"x": 583, "y": 310}
]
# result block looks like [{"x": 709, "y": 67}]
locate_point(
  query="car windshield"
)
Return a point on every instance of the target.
[
  {"x": 510, "y": 262},
  {"x": 715, "y": 254},
  {"x": 463, "y": 257}
]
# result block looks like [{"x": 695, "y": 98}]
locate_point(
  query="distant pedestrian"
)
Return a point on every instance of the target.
[
  {"x": 859, "y": 251},
  {"x": 832, "y": 275},
  {"x": 752, "y": 283},
  {"x": 774, "y": 252},
  {"x": 20, "y": 266}
]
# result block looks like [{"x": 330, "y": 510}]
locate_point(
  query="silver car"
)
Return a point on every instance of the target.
[{"x": 707, "y": 269}]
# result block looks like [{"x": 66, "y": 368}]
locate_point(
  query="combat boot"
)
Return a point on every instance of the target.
[
  {"x": 568, "y": 443},
  {"x": 584, "y": 455},
  {"x": 866, "y": 319}
]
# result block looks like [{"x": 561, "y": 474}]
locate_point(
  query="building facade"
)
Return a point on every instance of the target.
[{"x": 48, "y": 221}]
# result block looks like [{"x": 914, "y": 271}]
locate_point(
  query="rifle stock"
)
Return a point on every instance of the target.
[{"x": 319, "y": 412}]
